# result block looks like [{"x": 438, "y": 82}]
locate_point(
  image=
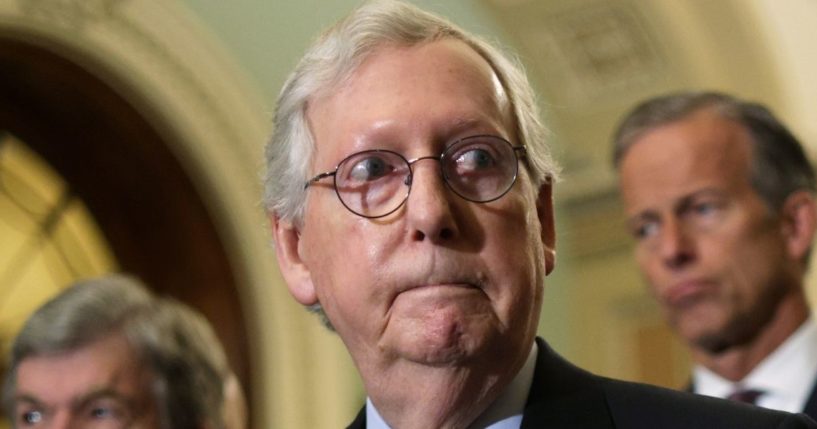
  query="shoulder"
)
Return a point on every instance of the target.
[{"x": 564, "y": 393}]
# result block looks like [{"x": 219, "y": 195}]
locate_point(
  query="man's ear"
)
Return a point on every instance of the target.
[
  {"x": 288, "y": 251},
  {"x": 544, "y": 210},
  {"x": 798, "y": 222}
]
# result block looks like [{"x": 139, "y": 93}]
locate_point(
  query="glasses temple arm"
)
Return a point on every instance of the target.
[{"x": 318, "y": 177}]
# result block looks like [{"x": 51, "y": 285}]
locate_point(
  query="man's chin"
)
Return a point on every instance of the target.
[
  {"x": 444, "y": 334},
  {"x": 713, "y": 344},
  {"x": 441, "y": 347},
  {"x": 437, "y": 357},
  {"x": 694, "y": 330},
  {"x": 712, "y": 327},
  {"x": 710, "y": 337},
  {"x": 726, "y": 337}
]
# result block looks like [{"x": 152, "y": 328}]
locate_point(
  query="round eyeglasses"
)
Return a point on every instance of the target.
[{"x": 375, "y": 183}]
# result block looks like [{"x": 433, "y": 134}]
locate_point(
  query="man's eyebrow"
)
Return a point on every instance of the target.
[
  {"x": 101, "y": 393},
  {"x": 387, "y": 130},
  {"x": 707, "y": 192},
  {"x": 690, "y": 198},
  {"x": 465, "y": 123},
  {"x": 651, "y": 213},
  {"x": 28, "y": 399}
]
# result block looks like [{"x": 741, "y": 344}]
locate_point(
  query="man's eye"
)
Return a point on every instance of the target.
[
  {"x": 644, "y": 230},
  {"x": 370, "y": 168},
  {"x": 102, "y": 412},
  {"x": 474, "y": 160},
  {"x": 704, "y": 208},
  {"x": 32, "y": 417}
]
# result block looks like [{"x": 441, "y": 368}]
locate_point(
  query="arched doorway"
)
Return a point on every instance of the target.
[{"x": 119, "y": 163}]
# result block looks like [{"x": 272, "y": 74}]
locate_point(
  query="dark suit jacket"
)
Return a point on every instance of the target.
[
  {"x": 811, "y": 403},
  {"x": 563, "y": 396}
]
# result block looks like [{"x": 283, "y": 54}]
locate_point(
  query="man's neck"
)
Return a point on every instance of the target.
[
  {"x": 737, "y": 362},
  {"x": 437, "y": 396}
]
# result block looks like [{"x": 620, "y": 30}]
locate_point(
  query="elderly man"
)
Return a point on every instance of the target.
[
  {"x": 720, "y": 199},
  {"x": 106, "y": 354},
  {"x": 409, "y": 187}
]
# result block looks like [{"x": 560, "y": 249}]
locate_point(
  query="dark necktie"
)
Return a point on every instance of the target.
[{"x": 748, "y": 396}]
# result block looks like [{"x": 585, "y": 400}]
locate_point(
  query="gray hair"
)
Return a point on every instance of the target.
[
  {"x": 779, "y": 165},
  {"x": 171, "y": 340},
  {"x": 337, "y": 54}
]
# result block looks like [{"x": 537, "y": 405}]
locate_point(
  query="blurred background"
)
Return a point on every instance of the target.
[{"x": 131, "y": 136}]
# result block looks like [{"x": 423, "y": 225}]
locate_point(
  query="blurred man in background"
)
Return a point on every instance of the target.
[
  {"x": 719, "y": 196},
  {"x": 105, "y": 353}
]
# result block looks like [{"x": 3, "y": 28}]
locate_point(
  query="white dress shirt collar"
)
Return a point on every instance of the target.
[
  {"x": 787, "y": 376},
  {"x": 504, "y": 413}
]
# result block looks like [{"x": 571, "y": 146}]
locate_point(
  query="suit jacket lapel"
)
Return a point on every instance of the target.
[{"x": 564, "y": 396}]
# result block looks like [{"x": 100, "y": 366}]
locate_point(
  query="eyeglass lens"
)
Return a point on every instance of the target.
[{"x": 375, "y": 183}]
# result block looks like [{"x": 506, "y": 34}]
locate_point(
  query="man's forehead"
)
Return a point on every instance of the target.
[
  {"x": 684, "y": 158},
  {"x": 703, "y": 142},
  {"x": 105, "y": 360},
  {"x": 448, "y": 67},
  {"x": 395, "y": 50}
]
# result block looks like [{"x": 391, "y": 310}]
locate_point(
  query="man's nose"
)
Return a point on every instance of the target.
[
  {"x": 62, "y": 419},
  {"x": 675, "y": 246},
  {"x": 428, "y": 209}
]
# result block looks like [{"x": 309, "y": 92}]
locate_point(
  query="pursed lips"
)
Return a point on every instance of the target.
[
  {"x": 443, "y": 284},
  {"x": 441, "y": 273}
]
